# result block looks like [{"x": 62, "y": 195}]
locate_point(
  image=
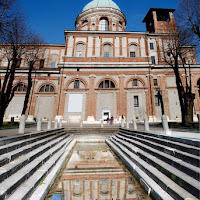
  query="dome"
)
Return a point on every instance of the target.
[{"x": 101, "y": 4}]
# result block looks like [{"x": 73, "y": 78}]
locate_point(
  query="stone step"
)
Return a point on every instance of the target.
[
  {"x": 38, "y": 178},
  {"x": 7, "y": 140},
  {"x": 15, "y": 145},
  {"x": 9, "y": 185},
  {"x": 42, "y": 190},
  {"x": 25, "y": 149},
  {"x": 133, "y": 162},
  {"x": 182, "y": 179},
  {"x": 167, "y": 142},
  {"x": 191, "y": 142},
  {"x": 189, "y": 158},
  {"x": 23, "y": 160},
  {"x": 179, "y": 164}
]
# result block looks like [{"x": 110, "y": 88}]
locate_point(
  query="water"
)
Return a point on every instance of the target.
[{"x": 93, "y": 173}]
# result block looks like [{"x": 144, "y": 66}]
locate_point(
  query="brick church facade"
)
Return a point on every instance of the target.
[{"x": 102, "y": 70}]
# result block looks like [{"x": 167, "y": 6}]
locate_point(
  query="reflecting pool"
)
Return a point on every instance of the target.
[{"x": 93, "y": 173}]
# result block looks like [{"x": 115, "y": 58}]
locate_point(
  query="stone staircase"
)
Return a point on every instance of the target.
[
  {"x": 26, "y": 161},
  {"x": 167, "y": 167},
  {"x": 93, "y": 130}
]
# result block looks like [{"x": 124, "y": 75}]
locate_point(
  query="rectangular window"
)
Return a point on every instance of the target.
[
  {"x": 79, "y": 54},
  {"x": 76, "y": 84},
  {"x": 135, "y": 82},
  {"x": 155, "y": 82},
  {"x": 132, "y": 54},
  {"x": 106, "y": 54},
  {"x": 157, "y": 101},
  {"x": 136, "y": 101},
  {"x": 151, "y": 46},
  {"x": 53, "y": 64},
  {"x": 41, "y": 63},
  {"x": 153, "y": 60}
]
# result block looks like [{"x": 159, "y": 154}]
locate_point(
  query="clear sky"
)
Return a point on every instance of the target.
[{"x": 50, "y": 18}]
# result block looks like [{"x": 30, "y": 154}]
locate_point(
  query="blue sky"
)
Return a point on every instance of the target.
[{"x": 51, "y": 18}]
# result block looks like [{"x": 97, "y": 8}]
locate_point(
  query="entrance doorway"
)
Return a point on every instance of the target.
[{"x": 106, "y": 113}]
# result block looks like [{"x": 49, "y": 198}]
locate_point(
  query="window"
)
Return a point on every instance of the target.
[
  {"x": 135, "y": 82},
  {"x": 47, "y": 88},
  {"x": 153, "y": 61},
  {"x": 21, "y": 87},
  {"x": 76, "y": 84},
  {"x": 157, "y": 101},
  {"x": 132, "y": 54},
  {"x": 41, "y": 63},
  {"x": 151, "y": 46},
  {"x": 136, "y": 101},
  {"x": 106, "y": 84},
  {"x": 103, "y": 25},
  {"x": 79, "y": 54},
  {"x": 53, "y": 64},
  {"x": 80, "y": 50},
  {"x": 134, "y": 50},
  {"x": 155, "y": 82},
  {"x": 53, "y": 60},
  {"x": 106, "y": 54},
  {"x": 107, "y": 50},
  {"x": 85, "y": 25}
]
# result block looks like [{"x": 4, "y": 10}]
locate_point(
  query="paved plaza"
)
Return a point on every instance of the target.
[{"x": 174, "y": 132}]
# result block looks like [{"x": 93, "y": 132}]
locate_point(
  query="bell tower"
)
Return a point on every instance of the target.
[{"x": 160, "y": 21}]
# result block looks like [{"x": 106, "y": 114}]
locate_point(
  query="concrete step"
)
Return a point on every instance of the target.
[
  {"x": 16, "y": 145},
  {"x": 25, "y": 149},
  {"x": 191, "y": 142},
  {"x": 179, "y": 164},
  {"x": 186, "y": 182},
  {"x": 23, "y": 160},
  {"x": 9, "y": 185},
  {"x": 87, "y": 130},
  {"x": 195, "y": 150},
  {"x": 42, "y": 190},
  {"x": 7, "y": 140},
  {"x": 189, "y": 158},
  {"x": 131, "y": 160},
  {"x": 38, "y": 178}
]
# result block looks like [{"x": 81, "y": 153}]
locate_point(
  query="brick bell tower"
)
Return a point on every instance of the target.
[{"x": 160, "y": 21}]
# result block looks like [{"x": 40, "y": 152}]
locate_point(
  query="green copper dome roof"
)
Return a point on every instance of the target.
[{"x": 101, "y": 4}]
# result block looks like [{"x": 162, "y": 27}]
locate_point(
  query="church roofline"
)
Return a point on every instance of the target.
[{"x": 117, "y": 32}]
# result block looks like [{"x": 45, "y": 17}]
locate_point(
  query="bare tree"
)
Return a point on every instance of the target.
[
  {"x": 179, "y": 58},
  {"x": 34, "y": 51},
  {"x": 15, "y": 41},
  {"x": 8, "y": 12},
  {"x": 188, "y": 21}
]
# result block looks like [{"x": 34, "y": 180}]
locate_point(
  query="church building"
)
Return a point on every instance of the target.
[{"x": 103, "y": 70}]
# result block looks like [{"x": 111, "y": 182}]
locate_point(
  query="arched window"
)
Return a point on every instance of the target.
[
  {"x": 106, "y": 84},
  {"x": 80, "y": 50},
  {"x": 198, "y": 84},
  {"x": 85, "y": 25},
  {"x": 107, "y": 50},
  {"x": 21, "y": 87},
  {"x": 133, "y": 50},
  {"x": 53, "y": 60},
  {"x": 103, "y": 24},
  {"x": 47, "y": 88},
  {"x": 104, "y": 187},
  {"x": 134, "y": 83}
]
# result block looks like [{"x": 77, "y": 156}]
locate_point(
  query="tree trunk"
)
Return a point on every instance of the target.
[
  {"x": 189, "y": 104},
  {"x": 28, "y": 89},
  {"x": 180, "y": 90}
]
